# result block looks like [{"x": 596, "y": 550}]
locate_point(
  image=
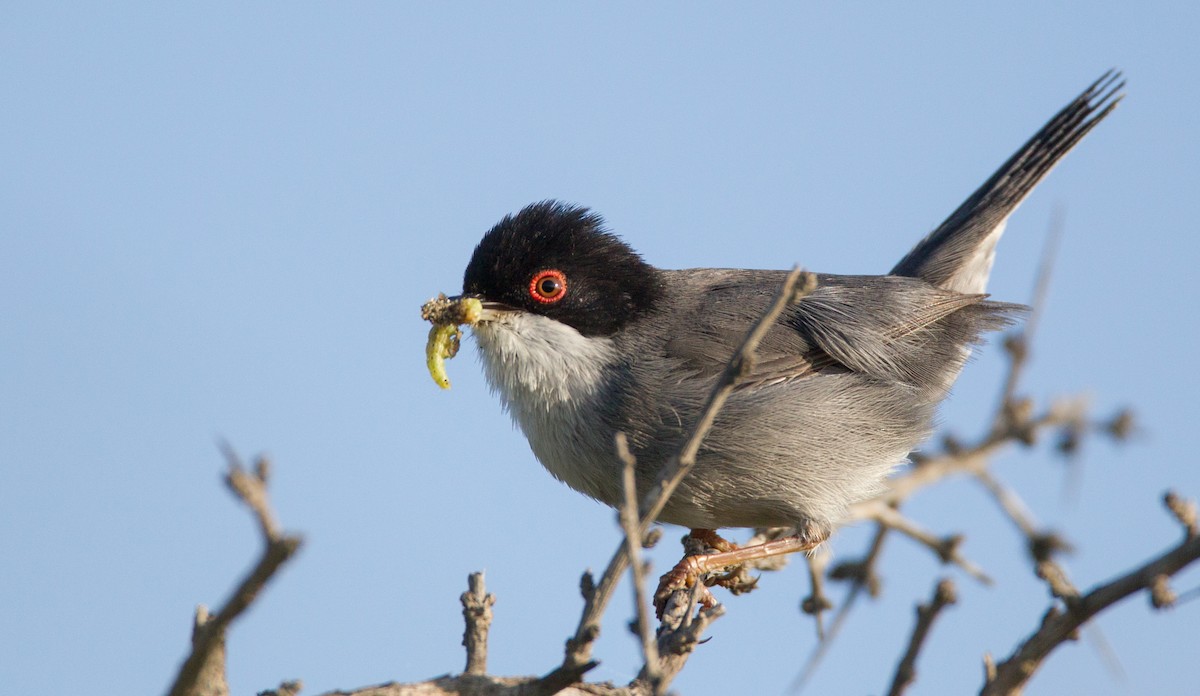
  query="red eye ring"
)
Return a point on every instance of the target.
[{"x": 548, "y": 286}]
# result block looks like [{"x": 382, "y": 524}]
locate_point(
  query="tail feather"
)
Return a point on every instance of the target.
[{"x": 958, "y": 254}]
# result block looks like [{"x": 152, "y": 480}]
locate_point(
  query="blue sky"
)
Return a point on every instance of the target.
[{"x": 219, "y": 222}]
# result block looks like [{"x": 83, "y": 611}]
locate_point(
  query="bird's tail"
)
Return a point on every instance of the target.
[{"x": 958, "y": 254}]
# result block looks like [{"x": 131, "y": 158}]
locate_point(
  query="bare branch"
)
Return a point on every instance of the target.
[
  {"x": 906, "y": 672},
  {"x": 477, "y": 614},
  {"x": 578, "y": 660},
  {"x": 208, "y": 637},
  {"x": 681, "y": 630},
  {"x": 1061, "y": 625}
]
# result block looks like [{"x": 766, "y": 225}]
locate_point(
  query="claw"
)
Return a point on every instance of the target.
[
  {"x": 680, "y": 578},
  {"x": 738, "y": 580},
  {"x": 703, "y": 542}
]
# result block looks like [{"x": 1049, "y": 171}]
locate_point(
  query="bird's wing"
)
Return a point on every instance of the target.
[{"x": 892, "y": 328}]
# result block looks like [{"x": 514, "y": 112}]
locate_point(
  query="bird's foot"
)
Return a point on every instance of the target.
[
  {"x": 710, "y": 553},
  {"x": 682, "y": 578},
  {"x": 736, "y": 578}
]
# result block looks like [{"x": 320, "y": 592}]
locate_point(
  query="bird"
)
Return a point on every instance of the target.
[{"x": 582, "y": 339}]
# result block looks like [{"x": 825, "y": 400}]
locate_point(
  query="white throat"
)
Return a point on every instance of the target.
[
  {"x": 548, "y": 376},
  {"x": 535, "y": 363}
]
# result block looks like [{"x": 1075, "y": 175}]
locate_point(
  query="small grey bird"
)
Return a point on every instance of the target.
[{"x": 582, "y": 340}]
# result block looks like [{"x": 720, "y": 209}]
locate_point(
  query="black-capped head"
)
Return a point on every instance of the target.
[{"x": 557, "y": 260}]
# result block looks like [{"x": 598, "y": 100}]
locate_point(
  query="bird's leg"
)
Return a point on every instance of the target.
[
  {"x": 694, "y": 567},
  {"x": 706, "y": 541}
]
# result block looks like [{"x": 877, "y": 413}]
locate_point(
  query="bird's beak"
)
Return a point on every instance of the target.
[
  {"x": 460, "y": 310},
  {"x": 489, "y": 310}
]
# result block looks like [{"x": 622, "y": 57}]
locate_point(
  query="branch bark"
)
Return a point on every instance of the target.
[
  {"x": 1060, "y": 624},
  {"x": 477, "y": 614}
]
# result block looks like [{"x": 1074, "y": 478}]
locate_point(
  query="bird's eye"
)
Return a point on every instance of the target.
[{"x": 548, "y": 287}]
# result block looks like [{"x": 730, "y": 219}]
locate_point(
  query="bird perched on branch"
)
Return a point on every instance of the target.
[{"x": 582, "y": 339}]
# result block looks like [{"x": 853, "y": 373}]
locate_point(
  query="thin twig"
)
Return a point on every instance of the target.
[
  {"x": 1014, "y": 508},
  {"x": 973, "y": 459},
  {"x": 681, "y": 631},
  {"x": 799, "y": 283},
  {"x": 945, "y": 548},
  {"x": 817, "y": 603},
  {"x": 579, "y": 647},
  {"x": 209, "y": 633},
  {"x": 906, "y": 672},
  {"x": 1018, "y": 344},
  {"x": 862, "y": 577},
  {"x": 628, "y": 515}
]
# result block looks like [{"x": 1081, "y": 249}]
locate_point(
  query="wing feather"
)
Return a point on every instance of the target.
[{"x": 886, "y": 327}]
